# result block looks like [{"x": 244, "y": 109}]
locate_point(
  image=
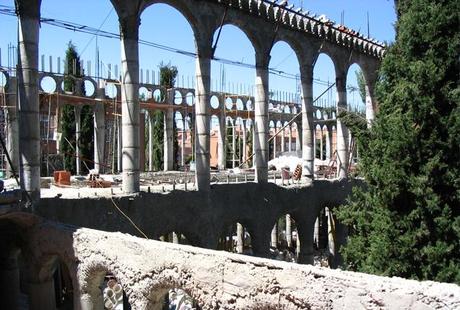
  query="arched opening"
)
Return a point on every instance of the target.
[
  {"x": 171, "y": 297},
  {"x": 356, "y": 90},
  {"x": 328, "y": 236},
  {"x": 114, "y": 297},
  {"x": 63, "y": 287},
  {"x": 323, "y": 78},
  {"x": 284, "y": 243},
  {"x": 235, "y": 83},
  {"x": 235, "y": 238},
  {"x": 177, "y": 298},
  {"x": 285, "y": 85}
]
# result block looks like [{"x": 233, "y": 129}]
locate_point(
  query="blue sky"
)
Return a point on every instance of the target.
[{"x": 162, "y": 24}]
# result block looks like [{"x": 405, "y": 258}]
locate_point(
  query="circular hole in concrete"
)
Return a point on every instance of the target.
[
  {"x": 144, "y": 93},
  {"x": 189, "y": 99},
  {"x": 157, "y": 95},
  {"x": 3, "y": 79},
  {"x": 48, "y": 84},
  {"x": 177, "y": 97},
  {"x": 249, "y": 105},
  {"x": 214, "y": 102},
  {"x": 229, "y": 103},
  {"x": 89, "y": 88},
  {"x": 111, "y": 90},
  {"x": 239, "y": 104}
]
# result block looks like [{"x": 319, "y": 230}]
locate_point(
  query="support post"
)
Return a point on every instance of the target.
[
  {"x": 308, "y": 156},
  {"x": 283, "y": 140},
  {"x": 274, "y": 236},
  {"x": 288, "y": 231},
  {"x": 182, "y": 143},
  {"x": 150, "y": 146},
  {"x": 290, "y": 139},
  {"x": 129, "y": 31},
  {"x": 168, "y": 133},
  {"x": 239, "y": 238},
  {"x": 245, "y": 146},
  {"x": 203, "y": 88},
  {"x": 221, "y": 154},
  {"x": 28, "y": 104},
  {"x": 12, "y": 128},
  {"x": 342, "y": 130},
  {"x": 77, "y": 111},
  {"x": 234, "y": 144},
  {"x": 99, "y": 131},
  {"x": 261, "y": 117}
]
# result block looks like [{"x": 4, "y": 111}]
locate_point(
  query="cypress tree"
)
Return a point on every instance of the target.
[
  {"x": 74, "y": 71},
  {"x": 168, "y": 74},
  {"x": 406, "y": 220}
]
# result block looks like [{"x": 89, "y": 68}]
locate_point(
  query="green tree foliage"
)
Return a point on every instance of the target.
[
  {"x": 168, "y": 75},
  {"x": 73, "y": 72},
  {"x": 406, "y": 222},
  {"x": 361, "y": 85}
]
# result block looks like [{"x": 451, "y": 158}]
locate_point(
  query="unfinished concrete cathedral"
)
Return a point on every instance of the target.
[{"x": 64, "y": 266}]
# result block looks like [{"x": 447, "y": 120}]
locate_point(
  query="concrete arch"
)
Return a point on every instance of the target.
[
  {"x": 164, "y": 282},
  {"x": 92, "y": 276},
  {"x": 181, "y": 6}
]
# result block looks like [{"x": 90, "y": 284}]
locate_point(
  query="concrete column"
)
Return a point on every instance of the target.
[
  {"x": 168, "y": 134},
  {"x": 245, "y": 146},
  {"x": 234, "y": 144},
  {"x": 298, "y": 140},
  {"x": 342, "y": 131},
  {"x": 129, "y": 31},
  {"x": 150, "y": 146},
  {"x": 99, "y": 131},
  {"x": 316, "y": 233},
  {"x": 370, "y": 113},
  {"x": 290, "y": 140},
  {"x": 12, "y": 128},
  {"x": 308, "y": 155},
  {"x": 221, "y": 154},
  {"x": 261, "y": 117},
  {"x": 202, "y": 117},
  {"x": 28, "y": 103},
  {"x": 274, "y": 237},
  {"x": 182, "y": 143},
  {"x": 42, "y": 295},
  {"x": 239, "y": 238},
  {"x": 9, "y": 279},
  {"x": 288, "y": 231},
  {"x": 274, "y": 143},
  {"x": 321, "y": 146},
  {"x": 119, "y": 145},
  {"x": 283, "y": 141},
  {"x": 77, "y": 112},
  {"x": 328, "y": 144},
  {"x": 175, "y": 238}
]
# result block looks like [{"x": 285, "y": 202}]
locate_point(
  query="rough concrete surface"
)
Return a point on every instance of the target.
[{"x": 219, "y": 280}]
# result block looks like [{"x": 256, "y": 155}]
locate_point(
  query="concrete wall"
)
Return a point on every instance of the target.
[
  {"x": 201, "y": 218},
  {"x": 146, "y": 269}
]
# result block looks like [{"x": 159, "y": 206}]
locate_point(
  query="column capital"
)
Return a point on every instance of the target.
[
  {"x": 262, "y": 60},
  {"x": 341, "y": 83},
  {"x": 129, "y": 26},
  {"x": 306, "y": 73},
  {"x": 30, "y": 9}
]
